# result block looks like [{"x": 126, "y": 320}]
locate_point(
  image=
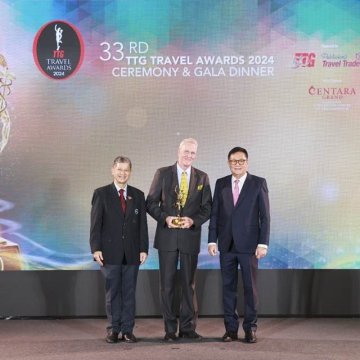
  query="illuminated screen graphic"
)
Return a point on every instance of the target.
[{"x": 280, "y": 78}]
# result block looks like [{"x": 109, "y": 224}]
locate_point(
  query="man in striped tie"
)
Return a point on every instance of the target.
[{"x": 240, "y": 226}]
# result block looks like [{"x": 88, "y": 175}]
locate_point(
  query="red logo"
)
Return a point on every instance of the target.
[
  {"x": 58, "y": 50},
  {"x": 304, "y": 60}
]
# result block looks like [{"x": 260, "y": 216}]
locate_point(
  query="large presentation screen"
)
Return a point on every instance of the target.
[{"x": 82, "y": 82}]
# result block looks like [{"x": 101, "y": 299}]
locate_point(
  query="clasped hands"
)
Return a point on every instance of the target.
[{"x": 185, "y": 222}]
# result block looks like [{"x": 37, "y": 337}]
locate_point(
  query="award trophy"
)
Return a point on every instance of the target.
[
  {"x": 177, "y": 222},
  {"x": 6, "y": 79}
]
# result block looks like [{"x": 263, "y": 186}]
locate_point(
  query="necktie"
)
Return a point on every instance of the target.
[
  {"x": 236, "y": 192},
  {"x": 184, "y": 189},
  {"x": 122, "y": 200}
]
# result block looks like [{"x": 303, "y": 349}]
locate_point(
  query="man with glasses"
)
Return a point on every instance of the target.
[{"x": 240, "y": 227}]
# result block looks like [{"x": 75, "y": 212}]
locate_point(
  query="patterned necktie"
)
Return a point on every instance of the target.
[
  {"x": 236, "y": 192},
  {"x": 122, "y": 200},
  {"x": 184, "y": 189}
]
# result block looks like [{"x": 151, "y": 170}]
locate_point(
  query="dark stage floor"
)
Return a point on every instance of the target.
[{"x": 279, "y": 338}]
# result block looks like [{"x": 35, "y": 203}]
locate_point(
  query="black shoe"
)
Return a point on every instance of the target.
[
  {"x": 230, "y": 336},
  {"x": 129, "y": 338},
  {"x": 112, "y": 337},
  {"x": 250, "y": 336},
  {"x": 190, "y": 335},
  {"x": 170, "y": 337}
]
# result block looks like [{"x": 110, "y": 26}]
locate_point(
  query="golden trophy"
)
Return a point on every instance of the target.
[
  {"x": 177, "y": 222},
  {"x": 10, "y": 257}
]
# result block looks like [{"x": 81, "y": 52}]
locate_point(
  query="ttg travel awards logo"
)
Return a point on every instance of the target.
[{"x": 58, "y": 50}]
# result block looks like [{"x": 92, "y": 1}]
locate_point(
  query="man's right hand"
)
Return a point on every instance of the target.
[
  {"x": 98, "y": 257},
  {"x": 212, "y": 249}
]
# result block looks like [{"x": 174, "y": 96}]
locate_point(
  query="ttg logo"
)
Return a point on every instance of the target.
[{"x": 304, "y": 60}]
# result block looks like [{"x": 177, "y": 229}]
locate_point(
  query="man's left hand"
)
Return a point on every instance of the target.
[
  {"x": 143, "y": 257},
  {"x": 186, "y": 222},
  {"x": 260, "y": 252}
]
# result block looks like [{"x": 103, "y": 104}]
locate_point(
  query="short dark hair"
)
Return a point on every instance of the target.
[
  {"x": 237, "y": 149},
  {"x": 122, "y": 159}
]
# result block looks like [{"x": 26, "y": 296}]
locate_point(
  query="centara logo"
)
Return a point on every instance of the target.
[
  {"x": 304, "y": 60},
  {"x": 332, "y": 92}
]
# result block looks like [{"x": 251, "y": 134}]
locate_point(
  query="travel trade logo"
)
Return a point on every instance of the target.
[{"x": 58, "y": 50}]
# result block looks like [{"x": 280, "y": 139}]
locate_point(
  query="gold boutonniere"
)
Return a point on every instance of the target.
[{"x": 200, "y": 187}]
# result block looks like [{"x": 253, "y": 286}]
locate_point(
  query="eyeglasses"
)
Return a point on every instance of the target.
[{"x": 240, "y": 162}]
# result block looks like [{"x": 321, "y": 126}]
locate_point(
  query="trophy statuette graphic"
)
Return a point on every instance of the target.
[
  {"x": 179, "y": 204},
  {"x": 10, "y": 258},
  {"x": 6, "y": 79}
]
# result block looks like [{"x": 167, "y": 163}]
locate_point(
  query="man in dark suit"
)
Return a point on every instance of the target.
[
  {"x": 179, "y": 183},
  {"x": 240, "y": 224},
  {"x": 119, "y": 243}
]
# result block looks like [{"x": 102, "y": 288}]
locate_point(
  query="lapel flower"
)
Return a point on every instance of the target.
[
  {"x": 129, "y": 198},
  {"x": 200, "y": 187}
]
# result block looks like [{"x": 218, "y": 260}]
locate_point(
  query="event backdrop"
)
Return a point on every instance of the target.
[{"x": 84, "y": 81}]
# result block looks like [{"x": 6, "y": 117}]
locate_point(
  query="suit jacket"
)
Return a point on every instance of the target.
[
  {"x": 248, "y": 222},
  {"x": 115, "y": 233},
  {"x": 161, "y": 203}
]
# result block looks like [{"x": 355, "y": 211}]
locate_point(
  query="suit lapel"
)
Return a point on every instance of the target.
[
  {"x": 115, "y": 199},
  {"x": 130, "y": 201},
  {"x": 175, "y": 186},
  {"x": 193, "y": 183},
  {"x": 227, "y": 193},
  {"x": 194, "y": 180}
]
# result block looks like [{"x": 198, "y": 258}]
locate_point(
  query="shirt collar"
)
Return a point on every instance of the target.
[
  {"x": 180, "y": 170},
  {"x": 118, "y": 188},
  {"x": 241, "y": 180}
]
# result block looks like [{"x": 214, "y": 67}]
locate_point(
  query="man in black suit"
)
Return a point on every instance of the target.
[
  {"x": 240, "y": 224},
  {"x": 119, "y": 243},
  {"x": 179, "y": 241}
]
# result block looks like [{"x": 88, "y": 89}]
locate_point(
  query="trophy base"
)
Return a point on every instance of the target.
[
  {"x": 10, "y": 257},
  {"x": 177, "y": 222}
]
